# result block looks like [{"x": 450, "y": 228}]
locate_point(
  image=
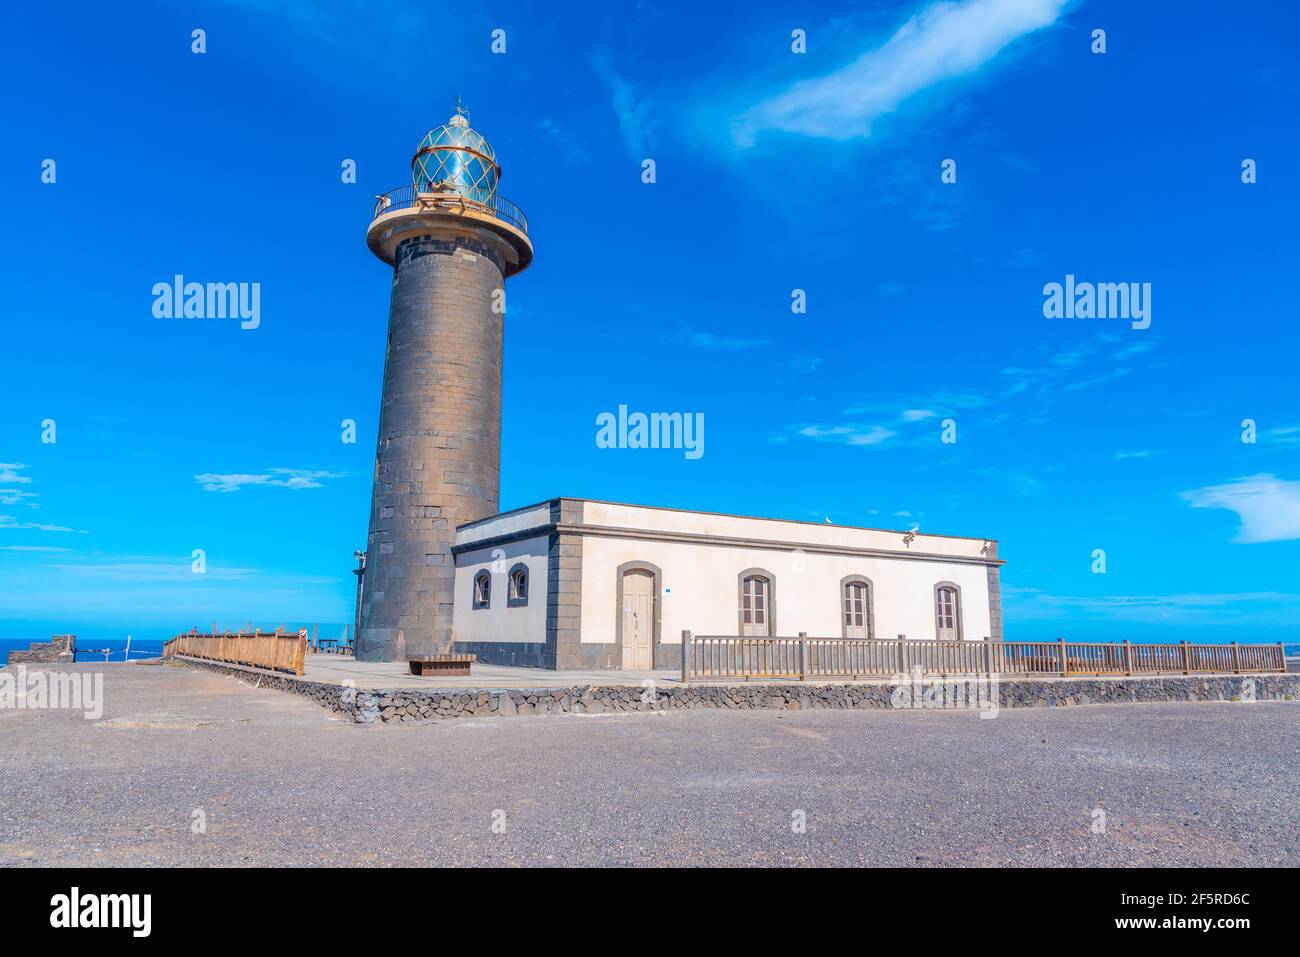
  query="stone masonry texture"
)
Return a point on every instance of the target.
[
  {"x": 405, "y": 705},
  {"x": 438, "y": 460},
  {"x": 58, "y": 648}
]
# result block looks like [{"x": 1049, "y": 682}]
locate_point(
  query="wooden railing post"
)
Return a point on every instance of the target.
[
  {"x": 1187, "y": 658},
  {"x": 1065, "y": 664},
  {"x": 1281, "y": 658},
  {"x": 686, "y": 657},
  {"x": 1128, "y": 657},
  {"x": 1236, "y": 659},
  {"x": 803, "y": 655}
]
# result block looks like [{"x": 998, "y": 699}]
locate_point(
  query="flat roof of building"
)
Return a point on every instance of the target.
[{"x": 691, "y": 511}]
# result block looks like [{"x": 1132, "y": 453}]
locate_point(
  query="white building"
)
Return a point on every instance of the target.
[{"x": 574, "y": 583}]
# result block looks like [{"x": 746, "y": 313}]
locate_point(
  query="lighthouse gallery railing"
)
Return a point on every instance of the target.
[{"x": 406, "y": 197}]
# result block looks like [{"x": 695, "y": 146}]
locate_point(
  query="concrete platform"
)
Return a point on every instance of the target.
[
  {"x": 335, "y": 669},
  {"x": 393, "y": 676}
]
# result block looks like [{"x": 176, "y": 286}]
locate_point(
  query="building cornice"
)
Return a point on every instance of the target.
[{"x": 696, "y": 538}]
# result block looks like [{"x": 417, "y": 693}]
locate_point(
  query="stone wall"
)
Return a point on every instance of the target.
[
  {"x": 368, "y": 707},
  {"x": 58, "y": 648}
]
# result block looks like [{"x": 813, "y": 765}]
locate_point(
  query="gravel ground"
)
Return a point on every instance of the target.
[{"x": 281, "y": 782}]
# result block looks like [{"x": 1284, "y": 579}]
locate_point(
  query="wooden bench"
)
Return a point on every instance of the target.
[{"x": 441, "y": 664}]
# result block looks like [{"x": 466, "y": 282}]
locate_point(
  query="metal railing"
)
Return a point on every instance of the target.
[
  {"x": 274, "y": 650},
  {"x": 801, "y": 657},
  {"x": 406, "y": 197}
]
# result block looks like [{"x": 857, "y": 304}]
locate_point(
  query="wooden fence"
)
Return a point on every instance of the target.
[
  {"x": 274, "y": 650},
  {"x": 801, "y": 658}
]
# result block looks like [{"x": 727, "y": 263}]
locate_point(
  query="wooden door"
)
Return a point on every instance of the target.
[{"x": 638, "y": 620}]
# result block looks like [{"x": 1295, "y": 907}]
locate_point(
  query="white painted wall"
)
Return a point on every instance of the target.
[
  {"x": 769, "y": 529},
  {"x": 700, "y": 589},
  {"x": 699, "y": 580},
  {"x": 498, "y": 622}
]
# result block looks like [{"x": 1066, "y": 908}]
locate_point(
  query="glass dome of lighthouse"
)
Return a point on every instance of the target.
[{"x": 454, "y": 158}]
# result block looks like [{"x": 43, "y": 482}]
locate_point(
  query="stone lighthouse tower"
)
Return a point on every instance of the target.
[{"x": 451, "y": 241}]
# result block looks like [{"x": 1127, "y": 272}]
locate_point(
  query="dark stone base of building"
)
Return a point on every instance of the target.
[
  {"x": 368, "y": 707},
  {"x": 58, "y": 648},
  {"x": 608, "y": 657},
  {"x": 513, "y": 654}
]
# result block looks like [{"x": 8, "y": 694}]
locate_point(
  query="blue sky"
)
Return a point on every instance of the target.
[{"x": 775, "y": 171}]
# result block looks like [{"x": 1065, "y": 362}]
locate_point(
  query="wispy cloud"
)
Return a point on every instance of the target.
[
  {"x": 12, "y": 496},
  {"x": 942, "y": 41},
  {"x": 708, "y": 340},
  {"x": 910, "y": 417},
  {"x": 847, "y": 434},
  {"x": 32, "y": 548},
  {"x": 9, "y": 473},
  {"x": 271, "y": 478},
  {"x": 145, "y": 570},
  {"x": 1189, "y": 608},
  {"x": 635, "y": 124},
  {"x": 566, "y": 144},
  {"x": 1269, "y": 507},
  {"x": 9, "y": 522},
  {"x": 164, "y": 592},
  {"x": 1280, "y": 435}
]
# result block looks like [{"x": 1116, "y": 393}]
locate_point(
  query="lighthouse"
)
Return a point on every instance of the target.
[{"x": 451, "y": 241}]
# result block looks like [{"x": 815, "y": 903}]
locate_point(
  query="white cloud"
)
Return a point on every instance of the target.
[
  {"x": 707, "y": 340},
  {"x": 152, "y": 570},
  {"x": 916, "y": 415},
  {"x": 847, "y": 434},
  {"x": 8, "y": 521},
  {"x": 12, "y": 496},
  {"x": 635, "y": 125},
  {"x": 943, "y": 41},
  {"x": 273, "y": 478},
  {"x": 32, "y": 548},
  {"x": 1269, "y": 507},
  {"x": 9, "y": 473},
  {"x": 1281, "y": 435}
]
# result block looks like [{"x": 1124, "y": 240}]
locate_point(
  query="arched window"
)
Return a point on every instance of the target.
[
  {"x": 857, "y": 618},
  {"x": 482, "y": 589},
  {"x": 947, "y": 611},
  {"x": 517, "y": 586},
  {"x": 757, "y": 603}
]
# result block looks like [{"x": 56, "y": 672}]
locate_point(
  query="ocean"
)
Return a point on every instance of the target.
[{"x": 92, "y": 649}]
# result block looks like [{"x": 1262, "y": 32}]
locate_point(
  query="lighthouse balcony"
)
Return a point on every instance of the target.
[
  {"x": 450, "y": 197},
  {"x": 407, "y": 211}
]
